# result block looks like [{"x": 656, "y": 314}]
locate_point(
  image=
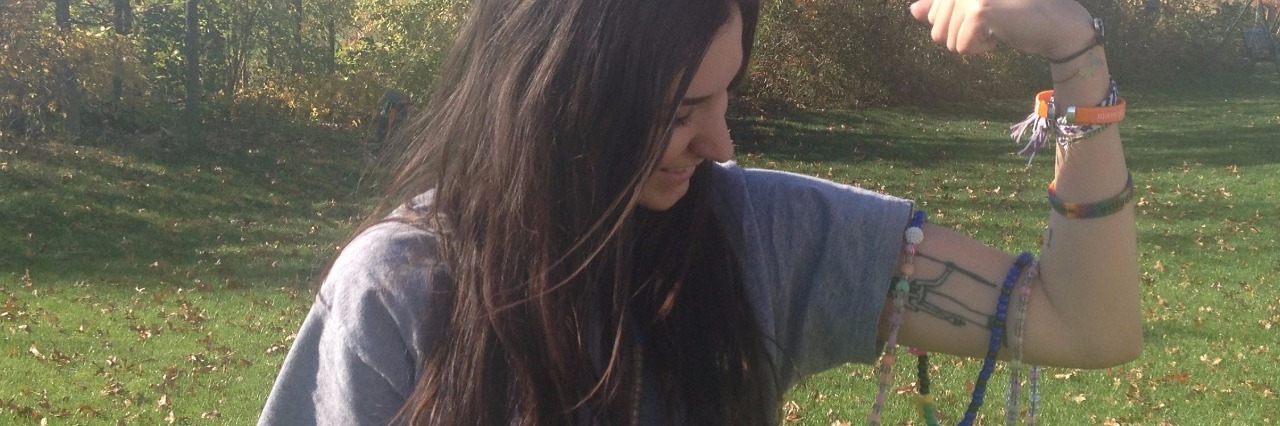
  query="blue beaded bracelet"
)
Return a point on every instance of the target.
[{"x": 997, "y": 332}]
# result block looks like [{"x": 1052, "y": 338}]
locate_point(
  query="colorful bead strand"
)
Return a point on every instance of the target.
[
  {"x": 1014, "y": 400},
  {"x": 913, "y": 236},
  {"x": 1033, "y": 396},
  {"x": 924, "y": 401}
]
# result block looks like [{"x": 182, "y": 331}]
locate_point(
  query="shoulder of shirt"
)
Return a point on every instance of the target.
[{"x": 394, "y": 262}]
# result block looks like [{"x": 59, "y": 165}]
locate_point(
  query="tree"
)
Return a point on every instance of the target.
[
  {"x": 192, "y": 61},
  {"x": 123, "y": 24},
  {"x": 69, "y": 101}
]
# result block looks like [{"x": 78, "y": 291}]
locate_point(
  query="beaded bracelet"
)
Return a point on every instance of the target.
[
  {"x": 1102, "y": 208},
  {"x": 1033, "y": 395},
  {"x": 924, "y": 401},
  {"x": 997, "y": 331},
  {"x": 1044, "y": 122},
  {"x": 913, "y": 236},
  {"x": 1014, "y": 398}
]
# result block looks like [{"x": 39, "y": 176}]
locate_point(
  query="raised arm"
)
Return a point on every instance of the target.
[{"x": 1084, "y": 307}]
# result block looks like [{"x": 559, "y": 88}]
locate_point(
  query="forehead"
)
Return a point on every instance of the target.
[{"x": 723, "y": 59}]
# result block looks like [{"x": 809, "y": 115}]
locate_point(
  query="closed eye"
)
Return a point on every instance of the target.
[
  {"x": 682, "y": 119},
  {"x": 685, "y": 112}
]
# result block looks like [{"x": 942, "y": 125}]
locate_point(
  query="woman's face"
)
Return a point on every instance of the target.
[{"x": 700, "y": 131}]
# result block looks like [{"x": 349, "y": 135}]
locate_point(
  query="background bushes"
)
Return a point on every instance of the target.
[{"x": 122, "y": 64}]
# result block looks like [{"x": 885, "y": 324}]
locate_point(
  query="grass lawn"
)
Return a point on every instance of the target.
[{"x": 146, "y": 283}]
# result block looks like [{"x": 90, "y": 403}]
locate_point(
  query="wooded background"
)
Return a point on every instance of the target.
[{"x": 85, "y": 67}]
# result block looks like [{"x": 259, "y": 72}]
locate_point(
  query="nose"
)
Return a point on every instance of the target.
[{"x": 713, "y": 141}]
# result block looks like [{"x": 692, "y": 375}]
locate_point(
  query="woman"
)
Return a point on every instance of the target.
[{"x": 569, "y": 244}]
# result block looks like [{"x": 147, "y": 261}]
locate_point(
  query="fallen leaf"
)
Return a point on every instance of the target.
[
  {"x": 1212, "y": 362},
  {"x": 86, "y": 409}
]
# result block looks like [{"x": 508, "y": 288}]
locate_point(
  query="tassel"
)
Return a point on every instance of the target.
[{"x": 1038, "y": 137}]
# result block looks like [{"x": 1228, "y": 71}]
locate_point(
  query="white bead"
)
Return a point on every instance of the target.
[{"x": 914, "y": 235}]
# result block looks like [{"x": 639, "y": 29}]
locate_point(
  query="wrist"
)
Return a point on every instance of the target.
[
  {"x": 1081, "y": 39},
  {"x": 1084, "y": 81}
]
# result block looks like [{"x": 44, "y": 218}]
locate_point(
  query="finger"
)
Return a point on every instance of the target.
[
  {"x": 920, "y": 10},
  {"x": 942, "y": 21},
  {"x": 971, "y": 36},
  {"x": 934, "y": 7},
  {"x": 959, "y": 20}
]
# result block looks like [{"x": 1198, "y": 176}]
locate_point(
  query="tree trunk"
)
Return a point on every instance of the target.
[
  {"x": 62, "y": 14},
  {"x": 192, "y": 60},
  {"x": 69, "y": 99},
  {"x": 242, "y": 42},
  {"x": 298, "y": 53},
  {"x": 330, "y": 61},
  {"x": 124, "y": 27}
]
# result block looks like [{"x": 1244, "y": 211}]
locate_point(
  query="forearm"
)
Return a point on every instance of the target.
[{"x": 1088, "y": 269}]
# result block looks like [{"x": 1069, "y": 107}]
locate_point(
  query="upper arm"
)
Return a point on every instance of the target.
[
  {"x": 818, "y": 257},
  {"x": 953, "y": 293},
  {"x": 356, "y": 358},
  {"x": 953, "y": 297},
  {"x": 335, "y": 374}
]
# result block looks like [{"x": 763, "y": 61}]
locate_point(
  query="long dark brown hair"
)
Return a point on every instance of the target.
[{"x": 547, "y": 119}]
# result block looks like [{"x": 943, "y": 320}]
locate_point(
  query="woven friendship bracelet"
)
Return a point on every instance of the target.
[
  {"x": 1102, "y": 208},
  {"x": 1065, "y": 125}
]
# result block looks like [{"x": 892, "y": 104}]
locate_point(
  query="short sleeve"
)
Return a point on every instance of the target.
[
  {"x": 356, "y": 357},
  {"x": 818, "y": 259}
]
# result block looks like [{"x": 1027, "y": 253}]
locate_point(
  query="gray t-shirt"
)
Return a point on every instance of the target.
[{"x": 818, "y": 258}]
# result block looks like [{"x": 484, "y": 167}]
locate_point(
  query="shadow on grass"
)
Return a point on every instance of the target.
[
  {"x": 1209, "y": 126},
  {"x": 910, "y": 135},
  {"x": 126, "y": 210}
]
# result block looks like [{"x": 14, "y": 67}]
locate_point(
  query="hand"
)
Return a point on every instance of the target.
[{"x": 1050, "y": 28}]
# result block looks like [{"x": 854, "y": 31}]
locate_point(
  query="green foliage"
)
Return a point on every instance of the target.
[
  {"x": 403, "y": 42},
  {"x": 33, "y": 50},
  {"x": 830, "y": 53},
  {"x": 1186, "y": 40},
  {"x": 312, "y": 60},
  {"x": 330, "y": 61},
  {"x": 836, "y": 53}
]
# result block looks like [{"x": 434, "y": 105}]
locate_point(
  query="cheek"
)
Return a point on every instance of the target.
[{"x": 679, "y": 143}]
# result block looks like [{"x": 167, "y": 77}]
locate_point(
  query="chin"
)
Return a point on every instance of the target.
[
  {"x": 662, "y": 202},
  {"x": 658, "y": 205}
]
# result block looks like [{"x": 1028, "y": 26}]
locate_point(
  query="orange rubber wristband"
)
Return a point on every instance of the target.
[{"x": 1079, "y": 115}]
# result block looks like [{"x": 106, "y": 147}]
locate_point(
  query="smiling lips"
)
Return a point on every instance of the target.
[{"x": 679, "y": 173}]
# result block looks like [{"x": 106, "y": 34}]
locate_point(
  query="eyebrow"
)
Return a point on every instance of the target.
[{"x": 694, "y": 101}]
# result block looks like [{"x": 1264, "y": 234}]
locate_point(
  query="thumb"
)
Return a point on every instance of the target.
[{"x": 920, "y": 10}]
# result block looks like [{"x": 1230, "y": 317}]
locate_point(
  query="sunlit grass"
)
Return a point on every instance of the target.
[
  {"x": 144, "y": 284},
  {"x": 1205, "y": 164},
  {"x": 161, "y": 285}
]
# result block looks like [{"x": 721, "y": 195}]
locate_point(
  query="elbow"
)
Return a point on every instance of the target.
[
  {"x": 1118, "y": 349},
  {"x": 1120, "y": 354}
]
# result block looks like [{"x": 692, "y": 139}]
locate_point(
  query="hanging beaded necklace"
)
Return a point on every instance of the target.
[{"x": 638, "y": 387}]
